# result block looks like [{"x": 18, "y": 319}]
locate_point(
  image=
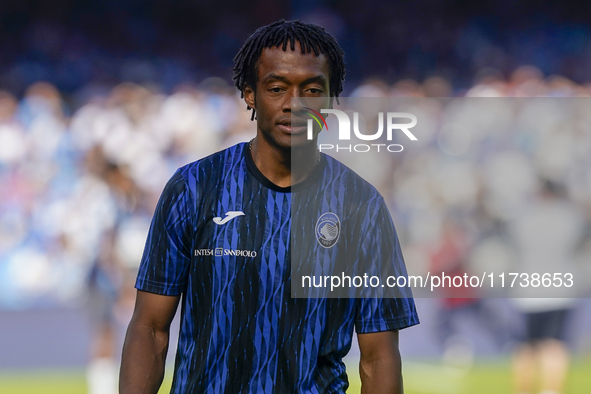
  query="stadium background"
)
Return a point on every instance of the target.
[{"x": 101, "y": 101}]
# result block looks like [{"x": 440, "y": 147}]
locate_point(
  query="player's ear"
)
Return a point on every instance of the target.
[{"x": 249, "y": 97}]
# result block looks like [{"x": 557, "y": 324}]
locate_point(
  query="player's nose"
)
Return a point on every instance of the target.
[
  {"x": 292, "y": 102},
  {"x": 296, "y": 104}
]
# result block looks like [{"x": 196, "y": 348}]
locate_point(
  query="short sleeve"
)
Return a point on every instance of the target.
[
  {"x": 385, "y": 314},
  {"x": 167, "y": 254},
  {"x": 381, "y": 255}
]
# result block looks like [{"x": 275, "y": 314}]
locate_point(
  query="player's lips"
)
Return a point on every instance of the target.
[{"x": 290, "y": 127}]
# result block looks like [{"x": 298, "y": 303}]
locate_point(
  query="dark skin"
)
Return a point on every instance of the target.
[
  {"x": 380, "y": 365},
  {"x": 146, "y": 344},
  {"x": 281, "y": 76}
]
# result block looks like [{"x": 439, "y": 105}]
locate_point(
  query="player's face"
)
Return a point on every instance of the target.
[{"x": 283, "y": 75}]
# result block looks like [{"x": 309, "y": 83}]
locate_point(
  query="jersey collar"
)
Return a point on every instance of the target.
[{"x": 310, "y": 180}]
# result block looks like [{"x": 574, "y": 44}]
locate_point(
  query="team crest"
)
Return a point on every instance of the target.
[{"x": 328, "y": 229}]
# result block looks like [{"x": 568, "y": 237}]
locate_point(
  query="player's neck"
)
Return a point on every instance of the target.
[{"x": 277, "y": 164}]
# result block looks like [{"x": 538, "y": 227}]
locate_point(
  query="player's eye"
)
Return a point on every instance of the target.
[
  {"x": 315, "y": 91},
  {"x": 275, "y": 90}
]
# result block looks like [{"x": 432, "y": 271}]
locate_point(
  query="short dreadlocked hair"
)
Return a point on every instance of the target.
[{"x": 312, "y": 38}]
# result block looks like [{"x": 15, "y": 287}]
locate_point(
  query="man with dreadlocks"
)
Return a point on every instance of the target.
[{"x": 220, "y": 238}]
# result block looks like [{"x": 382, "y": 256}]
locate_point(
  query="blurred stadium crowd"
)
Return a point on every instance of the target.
[
  {"x": 79, "y": 185},
  {"x": 73, "y": 43}
]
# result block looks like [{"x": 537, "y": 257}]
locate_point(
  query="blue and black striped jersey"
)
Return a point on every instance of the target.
[{"x": 222, "y": 236}]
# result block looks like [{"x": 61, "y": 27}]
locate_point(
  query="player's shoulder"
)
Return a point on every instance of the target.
[
  {"x": 214, "y": 165},
  {"x": 355, "y": 185}
]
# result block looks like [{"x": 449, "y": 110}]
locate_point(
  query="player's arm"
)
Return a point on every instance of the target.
[
  {"x": 146, "y": 343},
  {"x": 380, "y": 366}
]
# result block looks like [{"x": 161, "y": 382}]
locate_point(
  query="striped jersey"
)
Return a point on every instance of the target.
[{"x": 223, "y": 236}]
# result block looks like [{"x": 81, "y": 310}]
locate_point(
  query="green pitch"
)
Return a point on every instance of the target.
[{"x": 420, "y": 377}]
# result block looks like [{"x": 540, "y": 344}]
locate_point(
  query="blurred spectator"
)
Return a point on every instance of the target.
[
  {"x": 111, "y": 276},
  {"x": 546, "y": 236}
]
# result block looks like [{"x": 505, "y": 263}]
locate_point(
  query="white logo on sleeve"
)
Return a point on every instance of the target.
[{"x": 229, "y": 216}]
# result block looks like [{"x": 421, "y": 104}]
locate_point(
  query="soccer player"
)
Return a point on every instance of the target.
[{"x": 221, "y": 244}]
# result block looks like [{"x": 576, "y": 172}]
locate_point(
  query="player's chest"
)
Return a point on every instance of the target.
[{"x": 267, "y": 227}]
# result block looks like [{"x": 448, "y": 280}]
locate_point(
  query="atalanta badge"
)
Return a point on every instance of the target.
[{"x": 328, "y": 229}]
